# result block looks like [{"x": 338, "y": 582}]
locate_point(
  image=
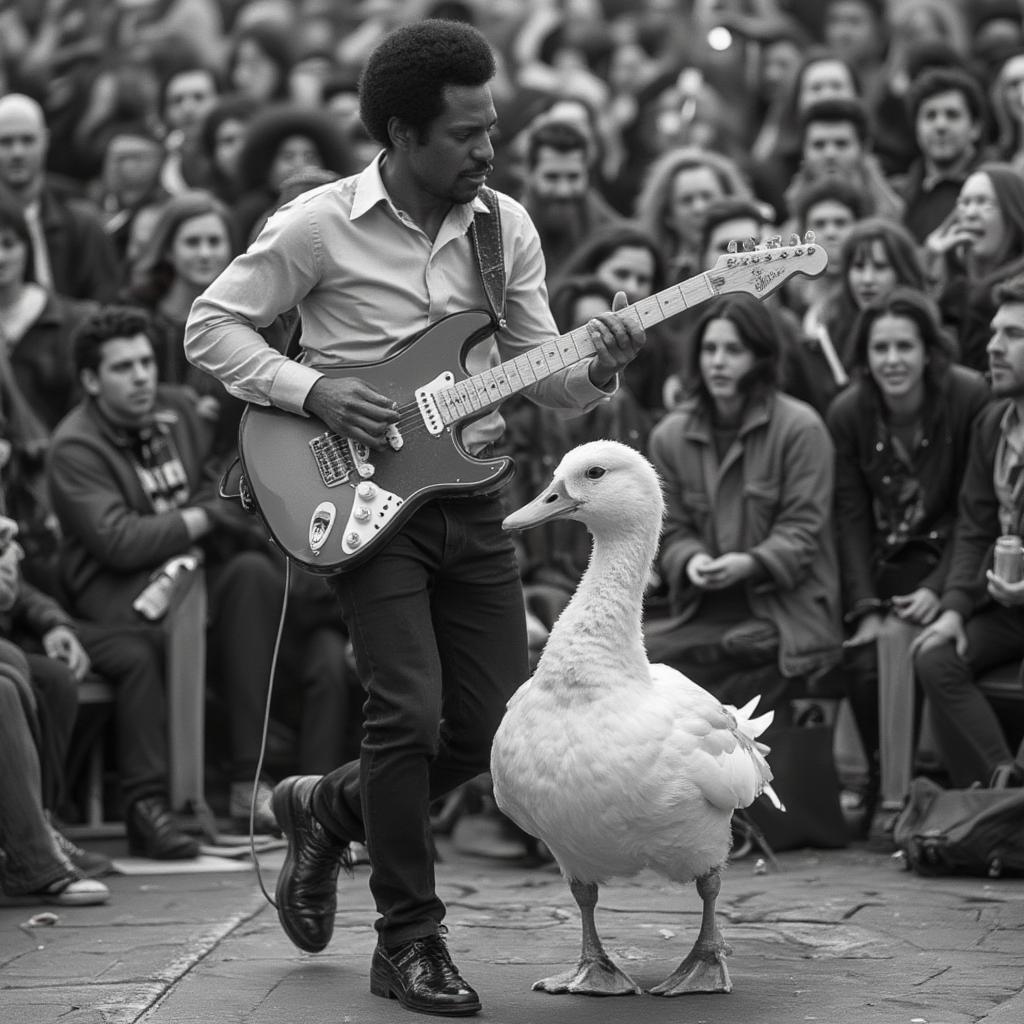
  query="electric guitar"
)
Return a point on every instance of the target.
[{"x": 330, "y": 503}]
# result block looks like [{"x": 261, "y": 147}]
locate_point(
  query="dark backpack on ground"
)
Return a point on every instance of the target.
[{"x": 962, "y": 831}]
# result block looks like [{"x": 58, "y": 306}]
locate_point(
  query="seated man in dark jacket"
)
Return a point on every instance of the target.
[
  {"x": 134, "y": 487},
  {"x": 981, "y": 625}
]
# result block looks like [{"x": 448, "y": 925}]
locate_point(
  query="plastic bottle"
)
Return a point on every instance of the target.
[{"x": 155, "y": 599}]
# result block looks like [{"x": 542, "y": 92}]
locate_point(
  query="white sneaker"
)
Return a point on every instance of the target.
[{"x": 74, "y": 892}]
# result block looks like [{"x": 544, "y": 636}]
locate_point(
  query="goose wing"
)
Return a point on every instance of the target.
[{"x": 716, "y": 744}]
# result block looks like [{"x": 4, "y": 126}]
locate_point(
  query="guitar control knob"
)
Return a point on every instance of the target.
[
  {"x": 362, "y": 514},
  {"x": 353, "y": 539},
  {"x": 367, "y": 491}
]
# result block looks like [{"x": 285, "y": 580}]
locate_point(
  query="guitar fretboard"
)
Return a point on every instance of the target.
[{"x": 489, "y": 388}]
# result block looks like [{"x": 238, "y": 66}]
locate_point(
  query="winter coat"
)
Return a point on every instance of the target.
[
  {"x": 112, "y": 538},
  {"x": 977, "y": 522},
  {"x": 771, "y": 497}
]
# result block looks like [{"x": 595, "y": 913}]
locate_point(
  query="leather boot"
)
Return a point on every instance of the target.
[
  {"x": 307, "y": 886},
  {"x": 153, "y": 832},
  {"x": 422, "y": 977}
]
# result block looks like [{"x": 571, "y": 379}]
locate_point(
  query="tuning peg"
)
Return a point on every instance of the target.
[
  {"x": 777, "y": 241},
  {"x": 749, "y": 244},
  {"x": 733, "y": 247},
  {"x": 794, "y": 239},
  {"x": 809, "y": 237}
]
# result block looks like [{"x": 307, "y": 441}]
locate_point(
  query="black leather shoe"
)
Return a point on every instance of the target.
[
  {"x": 422, "y": 977},
  {"x": 307, "y": 887},
  {"x": 153, "y": 832}
]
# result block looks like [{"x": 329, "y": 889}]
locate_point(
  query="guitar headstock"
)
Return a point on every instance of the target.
[{"x": 760, "y": 268}]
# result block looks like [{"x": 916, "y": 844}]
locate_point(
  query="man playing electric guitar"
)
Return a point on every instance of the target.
[{"x": 436, "y": 615}]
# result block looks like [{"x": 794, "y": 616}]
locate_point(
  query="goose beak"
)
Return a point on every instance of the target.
[{"x": 553, "y": 503}]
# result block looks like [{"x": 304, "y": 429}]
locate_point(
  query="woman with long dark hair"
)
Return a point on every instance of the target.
[
  {"x": 877, "y": 256},
  {"x": 190, "y": 244},
  {"x": 626, "y": 257},
  {"x": 979, "y": 244},
  {"x": 901, "y": 433},
  {"x": 748, "y": 554}
]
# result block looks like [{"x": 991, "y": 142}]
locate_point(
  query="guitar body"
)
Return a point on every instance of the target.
[{"x": 332, "y": 524}]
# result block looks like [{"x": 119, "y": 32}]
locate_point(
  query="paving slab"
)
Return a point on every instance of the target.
[{"x": 843, "y": 936}]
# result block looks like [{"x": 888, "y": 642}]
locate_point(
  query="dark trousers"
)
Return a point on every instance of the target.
[
  {"x": 56, "y": 693},
  {"x": 131, "y": 659},
  {"x": 438, "y": 627},
  {"x": 244, "y": 593},
  {"x": 970, "y": 737}
]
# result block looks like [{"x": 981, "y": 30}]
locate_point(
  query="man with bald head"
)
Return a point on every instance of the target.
[{"x": 71, "y": 253}]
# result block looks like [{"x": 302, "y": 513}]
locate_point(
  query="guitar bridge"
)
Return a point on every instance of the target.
[{"x": 333, "y": 458}]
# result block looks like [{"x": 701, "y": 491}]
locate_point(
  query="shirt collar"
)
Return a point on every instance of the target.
[
  {"x": 370, "y": 191},
  {"x": 1012, "y": 428},
  {"x": 955, "y": 175},
  {"x": 369, "y": 188}
]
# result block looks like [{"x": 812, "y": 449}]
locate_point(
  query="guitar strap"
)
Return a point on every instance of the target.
[{"x": 485, "y": 234}]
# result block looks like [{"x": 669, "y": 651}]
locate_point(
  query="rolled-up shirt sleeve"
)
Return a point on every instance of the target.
[{"x": 221, "y": 337}]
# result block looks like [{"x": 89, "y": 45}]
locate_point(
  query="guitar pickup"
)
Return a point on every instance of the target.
[{"x": 426, "y": 402}]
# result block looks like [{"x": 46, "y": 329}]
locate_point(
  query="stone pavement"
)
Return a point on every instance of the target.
[{"x": 837, "y": 937}]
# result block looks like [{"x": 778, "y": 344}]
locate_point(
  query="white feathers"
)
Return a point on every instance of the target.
[{"x": 614, "y": 763}]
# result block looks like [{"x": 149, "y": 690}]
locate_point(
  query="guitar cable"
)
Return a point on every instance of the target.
[{"x": 265, "y": 733}]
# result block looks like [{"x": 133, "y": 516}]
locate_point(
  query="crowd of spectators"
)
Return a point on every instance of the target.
[{"x": 144, "y": 143}]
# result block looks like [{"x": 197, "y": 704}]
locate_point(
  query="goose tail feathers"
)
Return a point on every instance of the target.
[
  {"x": 748, "y": 729},
  {"x": 752, "y": 727}
]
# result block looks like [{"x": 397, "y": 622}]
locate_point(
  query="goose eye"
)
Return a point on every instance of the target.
[{"x": 595, "y": 472}]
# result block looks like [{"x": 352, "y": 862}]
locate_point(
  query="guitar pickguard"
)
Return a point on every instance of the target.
[{"x": 372, "y": 509}]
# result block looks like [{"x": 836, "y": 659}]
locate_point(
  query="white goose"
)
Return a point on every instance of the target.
[{"x": 617, "y": 764}]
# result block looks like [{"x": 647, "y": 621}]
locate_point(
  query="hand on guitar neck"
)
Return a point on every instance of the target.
[
  {"x": 616, "y": 341},
  {"x": 351, "y": 408}
]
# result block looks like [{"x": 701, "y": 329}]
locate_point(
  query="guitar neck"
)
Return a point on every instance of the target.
[{"x": 483, "y": 391}]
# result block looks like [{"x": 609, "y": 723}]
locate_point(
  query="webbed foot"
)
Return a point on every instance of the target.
[
  {"x": 704, "y": 970},
  {"x": 592, "y": 976}
]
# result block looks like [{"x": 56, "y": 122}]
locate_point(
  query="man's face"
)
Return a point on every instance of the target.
[
  {"x": 825, "y": 79},
  {"x": 831, "y": 147},
  {"x": 1006, "y": 351},
  {"x": 124, "y": 384},
  {"x": 22, "y": 149},
  {"x": 452, "y": 161},
  {"x": 779, "y": 65},
  {"x": 188, "y": 98},
  {"x": 831, "y": 221},
  {"x": 945, "y": 130},
  {"x": 228, "y": 141},
  {"x": 131, "y": 165},
  {"x": 852, "y": 30},
  {"x": 693, "y": 190},
  {"x": 558, "y": 176},
  {"x": 295, "y": 153}
]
